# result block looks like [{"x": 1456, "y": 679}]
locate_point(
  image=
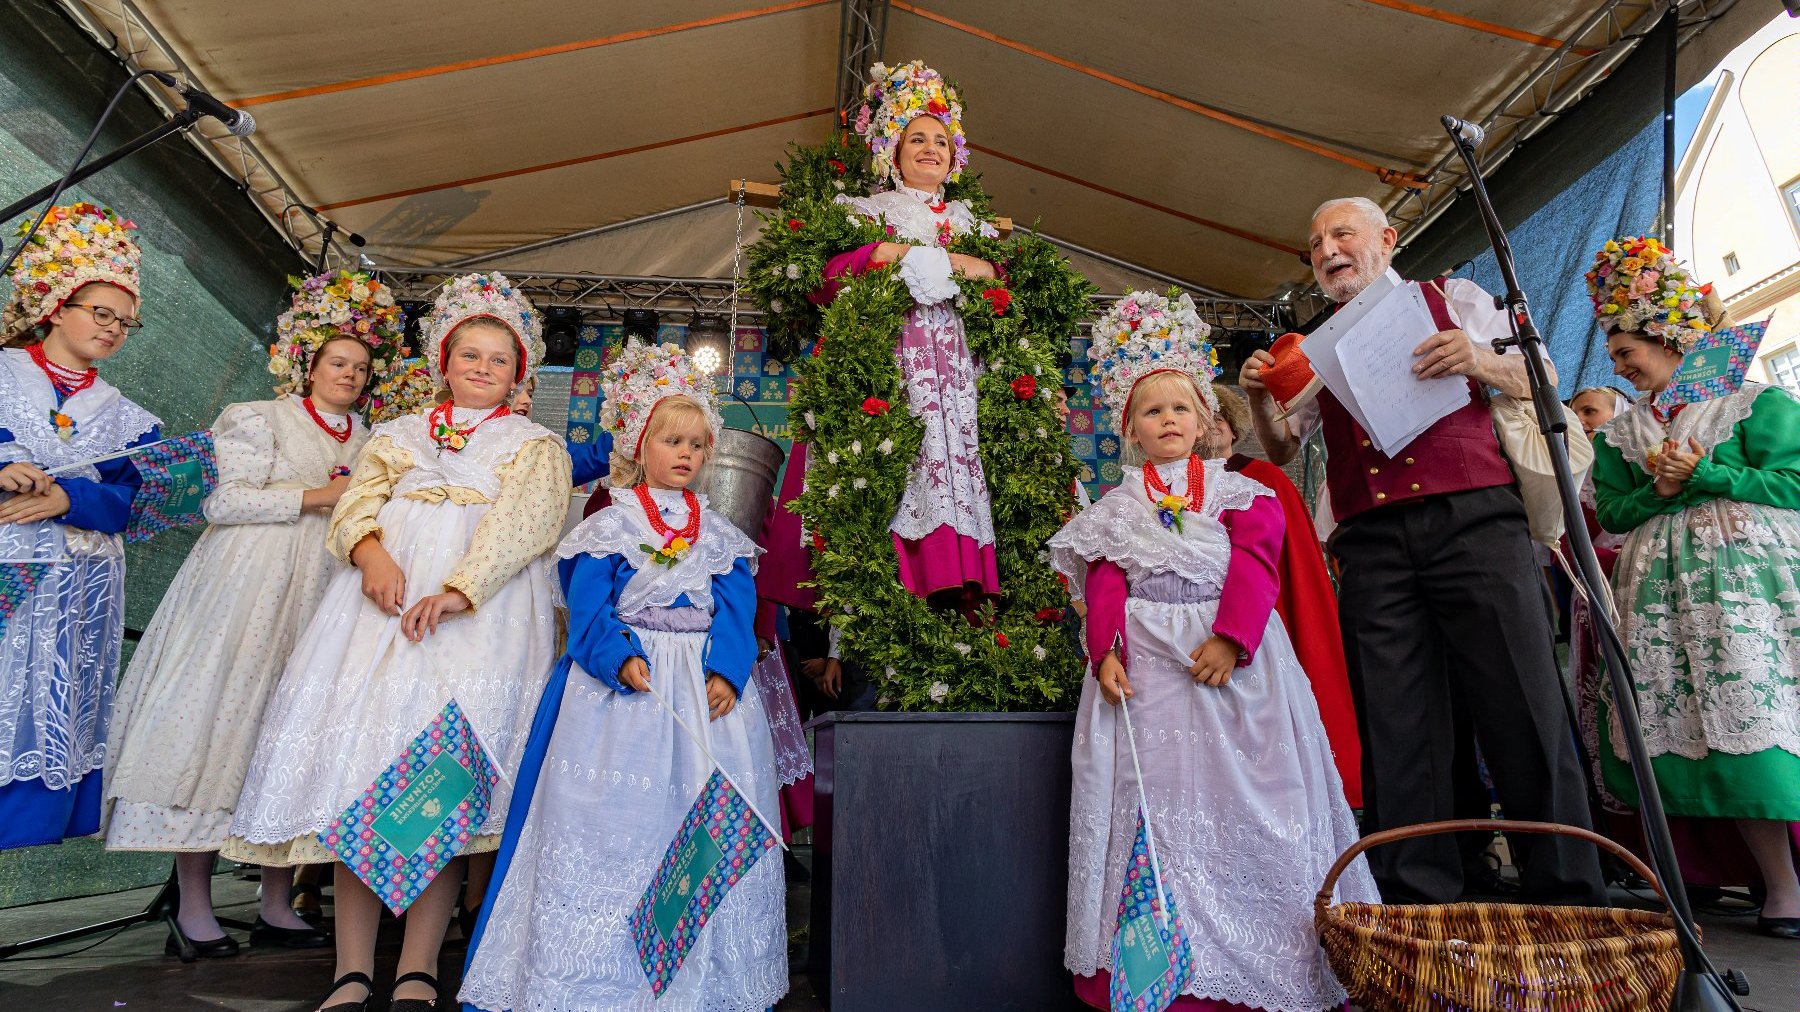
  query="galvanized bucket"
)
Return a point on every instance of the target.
[{"x": 739, "y": 480}]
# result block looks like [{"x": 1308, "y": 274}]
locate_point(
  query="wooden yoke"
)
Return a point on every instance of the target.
[{"x": 769, "y": 195}]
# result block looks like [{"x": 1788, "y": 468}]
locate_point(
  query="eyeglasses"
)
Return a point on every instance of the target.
[{"x": 104, "y": 317}]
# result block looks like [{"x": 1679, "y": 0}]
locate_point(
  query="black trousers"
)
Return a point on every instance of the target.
[{"x": 1444, "y": 591}]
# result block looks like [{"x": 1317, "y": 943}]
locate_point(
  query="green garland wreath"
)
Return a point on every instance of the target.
[{"x": 850, "y": 407}]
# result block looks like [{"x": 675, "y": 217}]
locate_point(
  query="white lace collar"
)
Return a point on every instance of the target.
[{"x": 926, "y": 197}]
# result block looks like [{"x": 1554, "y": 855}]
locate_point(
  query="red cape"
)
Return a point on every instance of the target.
[{"x": 1308, "y": 608}]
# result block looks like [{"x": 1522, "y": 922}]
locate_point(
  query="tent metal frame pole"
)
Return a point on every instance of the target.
[
  {"x": 586, "y": 233},
  {"x": 238, "y": 158},
  {"x": 862, "y": 32},
  {"x": 1534, "y": 105}
]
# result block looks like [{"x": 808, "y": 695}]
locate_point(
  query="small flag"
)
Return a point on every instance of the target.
[
  {"x": 717, "y": 845},
  {"x": 178, "y": 474},
  {"x": 1150, "y": 958},
  {"x": 18, "y": 580},
  {"x": 419, "y": 813},
  {"x": 1714, "y": 366}
]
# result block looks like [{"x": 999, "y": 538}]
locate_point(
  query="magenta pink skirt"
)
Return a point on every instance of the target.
[{"x": 946, "y": 560}]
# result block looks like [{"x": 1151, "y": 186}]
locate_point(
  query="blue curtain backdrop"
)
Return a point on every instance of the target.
[{"x": 1554, "y": 246}]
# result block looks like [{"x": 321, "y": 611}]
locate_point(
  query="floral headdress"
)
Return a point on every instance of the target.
[
  {"x": 1145, "y": 333},
  {"x": 640, "y": 376},
  {"x": 76, "y": 245},
  {"x": 1638, "y": 286},
  {"x": 407, "y": 390},
  {"x": 490, "y": 295},
  {"x": 895, "y": 97},
  {"x": 330, "y": 306}
]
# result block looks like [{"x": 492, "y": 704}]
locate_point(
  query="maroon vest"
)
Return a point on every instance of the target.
[{"x": 1458, "y": 453}]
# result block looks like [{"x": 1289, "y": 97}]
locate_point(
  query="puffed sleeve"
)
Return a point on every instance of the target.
[
  {"x": 104, "y": 504},
  {"x": 598, "y": 641},
  {"x": 1252, "y": 581},
  {"x": 1106, "y": 588},
  {"x": 245, "y": 447},
  {"x": 378, "y": 467},
  {"x": 1624, "y": 496},
  {"x": 731, "y": 648},
  {"x": 525, "y": 522},
  {"x": 850, "y": 264},
  {"x": 591, "y": 461},
  {"x": 1770, "y": 442}
]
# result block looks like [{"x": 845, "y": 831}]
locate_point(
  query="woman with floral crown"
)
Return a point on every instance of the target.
[
  {"x": 65, "y": 499},
  {"x": 1707, "y": 495},
  {"x": 662, "y": 599},
  {"x": 191, "y": 703},
  {"x": 448, "y": 520},
  {"x": 1246, "y": 813},
  {"x": 911, "y": 119}
]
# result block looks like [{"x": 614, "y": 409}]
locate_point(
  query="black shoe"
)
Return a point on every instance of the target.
[
  {"x": 1778, "y": 927},
  {"x": 353, "y": 977},
  {"x": 414, "y": 1004},
  {"x": 188, "y": 950},
  {"x": 264, "y": 933}
]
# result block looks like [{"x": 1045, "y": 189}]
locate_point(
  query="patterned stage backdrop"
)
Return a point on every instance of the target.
[{"x": 763, "y": 382}]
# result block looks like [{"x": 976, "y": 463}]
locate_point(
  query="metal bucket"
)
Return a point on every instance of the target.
[{"x": 739, "y": 480}]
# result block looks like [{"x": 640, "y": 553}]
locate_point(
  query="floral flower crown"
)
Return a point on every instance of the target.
[
  {"x": 329, "y": 306},
  {"x": 895, "y": 97},
  {"x": 1637, "y": 285},
  {"x": 1145, "y": 333},
  {"x": 408, "y": 389},
  {"x": 637, "y": 378},
  {"x": 76, "y": 245},
  {"x": 490, "y": 295}
]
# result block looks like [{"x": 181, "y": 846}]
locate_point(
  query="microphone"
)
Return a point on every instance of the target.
[
  {"x": 1465, "y": 131},
  {"x": 237, "y": 122}
]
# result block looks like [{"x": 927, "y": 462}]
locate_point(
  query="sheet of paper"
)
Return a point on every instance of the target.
[
  {"x": 1376, "y": 355},
  {"x": 1321, "y": 345}
]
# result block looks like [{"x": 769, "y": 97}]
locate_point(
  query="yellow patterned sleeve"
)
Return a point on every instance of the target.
[
  {"x": 378, "y": 467},
  {"x": 526, "y": 521}
]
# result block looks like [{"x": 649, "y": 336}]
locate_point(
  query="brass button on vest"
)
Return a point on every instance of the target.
[
  {"x": 1415, "y": 487},
  {"x": 1381, "y": 495},
  {"x": 1374, "y": 470},
  {"x": 1409, "y": 460}
]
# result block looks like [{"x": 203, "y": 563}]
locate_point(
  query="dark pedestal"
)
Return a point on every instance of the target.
[{"x": 941, "y": 861}]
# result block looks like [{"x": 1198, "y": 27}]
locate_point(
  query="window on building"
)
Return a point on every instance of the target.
[
  {"x": 1731, "y": 264},
  {"x": 1792, "y": 192},
  {"x": 1784, "y": 367}
]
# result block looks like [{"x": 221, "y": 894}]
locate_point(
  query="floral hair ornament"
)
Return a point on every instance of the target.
[
  {"x": 1143, "y": 334},
  {"x": 406, "y": 390},
  {"x": 1638, "y": 286},
  {"x": 477, "y": 295},
  {"x": 329, "y": 306},
  {"x": 895, "y": 97},
  {"x": 640, "y": 376},
  {"x": 77, "y": 244}
]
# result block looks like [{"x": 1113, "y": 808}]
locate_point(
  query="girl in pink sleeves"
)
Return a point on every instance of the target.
[{"x": 1178, "y": 568}]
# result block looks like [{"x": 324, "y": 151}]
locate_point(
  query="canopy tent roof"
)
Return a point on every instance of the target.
[{"x": 1188, "y": 142}]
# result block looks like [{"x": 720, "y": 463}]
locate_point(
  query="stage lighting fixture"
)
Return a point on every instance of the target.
[
  {"x": 708, "y": 343},
  {"x": 642, "y": 324},
  {"x": 412, "y": 313},
  {"x": 562, "y": 335}
]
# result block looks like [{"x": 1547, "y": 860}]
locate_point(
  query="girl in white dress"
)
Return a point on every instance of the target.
[
  {"x": 449, "y": 520},
  {"x": 662, "y": 596},
  {"x": 190, "y": 704},
  {"x": 1245, "y": 808}
]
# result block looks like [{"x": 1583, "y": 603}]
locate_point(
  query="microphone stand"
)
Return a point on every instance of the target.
[
  {"x": 1700, "y": 988},
  {"x": 183, "y": 120}
]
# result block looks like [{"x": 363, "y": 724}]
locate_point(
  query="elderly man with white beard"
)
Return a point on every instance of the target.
[{"x": 1439, "y": 593}]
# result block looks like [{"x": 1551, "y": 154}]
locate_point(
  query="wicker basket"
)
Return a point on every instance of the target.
[{"x": 1497, "y": 957}]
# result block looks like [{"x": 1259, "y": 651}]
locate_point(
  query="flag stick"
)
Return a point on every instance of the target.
[
  {"x": 774, "y": 829},
  {"x": 1144, "y": 810},
  {"x": 128, "y": 451}
]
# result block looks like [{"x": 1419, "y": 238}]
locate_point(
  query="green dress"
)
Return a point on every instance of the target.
[{"x": 1708, "y": 588}]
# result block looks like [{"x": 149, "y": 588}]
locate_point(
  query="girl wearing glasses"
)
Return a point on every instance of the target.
[{"x": 62, "y": 560}]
